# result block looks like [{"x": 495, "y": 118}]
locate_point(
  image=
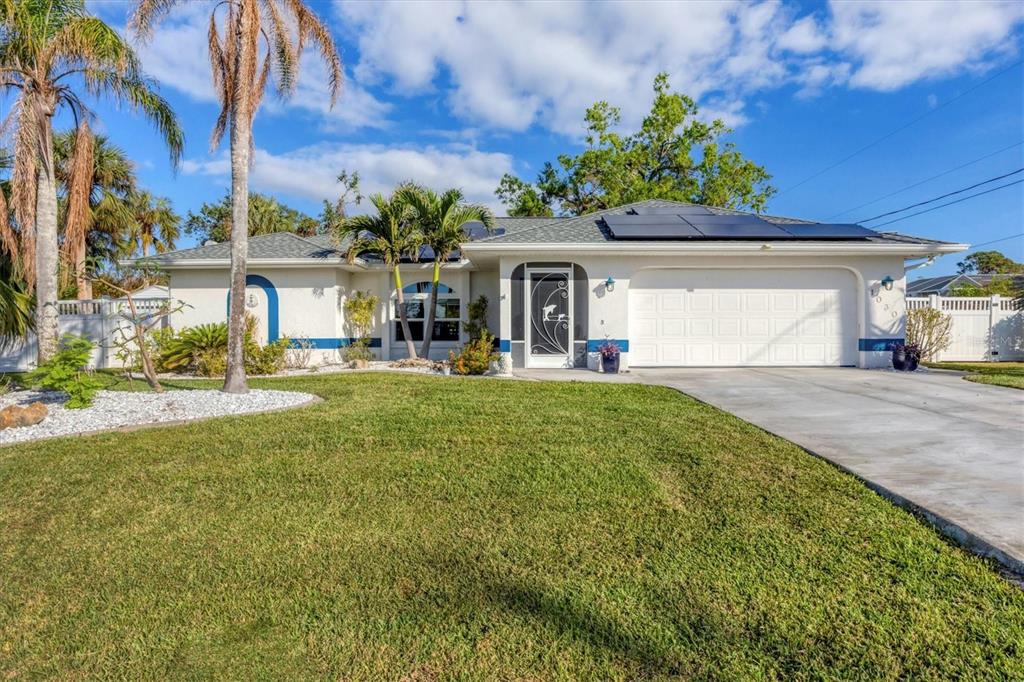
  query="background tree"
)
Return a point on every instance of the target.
[
  {"x": 95, "y": 186},
  {"x": 154, "y": 224},
  {"x": 50, "y": 50},
  {"x": 522, "y": 199},
  {"x": 441, "y": 220},
  {"x": 989, "y": 263},
  {"x": 16, "y": 305},
  {"x": 266, "y": 216},
  {"x": 240, "y": 77},
  {"x": 392, "y": 236},
  {"x": 674, "y": 155},
  {"x": 334, "y": 213}
]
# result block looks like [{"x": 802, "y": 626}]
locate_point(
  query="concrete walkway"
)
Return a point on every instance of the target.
[{"x": 951, "y": 449}]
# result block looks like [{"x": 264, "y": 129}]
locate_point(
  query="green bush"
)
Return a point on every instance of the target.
[
  {"x": 475, "y": 357},
  {"x": 203, "y": 349},
  {"x": 268, "y": 359},
  {"x": 182, "y": 351},
  {"x": 66, "y": 371}
]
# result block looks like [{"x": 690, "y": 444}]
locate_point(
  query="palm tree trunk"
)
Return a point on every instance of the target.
[
  {"x": 428, "y": 331},
  {"x": 403, "y": 314},
  {"x": 83, "y": 285},
  {"x": 47, "y": 249},
  {"x": 241, "y": 135}
]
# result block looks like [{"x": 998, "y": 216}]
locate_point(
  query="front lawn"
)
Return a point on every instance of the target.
[
  {"x": 1009, "y": 374},
  {"x": 428, "y": 528}
]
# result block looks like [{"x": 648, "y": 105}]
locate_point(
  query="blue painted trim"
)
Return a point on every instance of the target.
[
  {"x": 273, "y": 324},
  {"x": 505, "y": 346},
  {"x": 593, "y": 344},
  {"x": 328, "y": 343},
  {"x": 878, "y": 345}
]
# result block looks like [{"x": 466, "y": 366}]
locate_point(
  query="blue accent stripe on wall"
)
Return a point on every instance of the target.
[
  {"x": 273, "y": 328},
  {"x": 593, "y": 344},
  {"x": 332, "y": 343},
  {"x": 505, "y": 346},
  {"x": 878, "y": 344}
]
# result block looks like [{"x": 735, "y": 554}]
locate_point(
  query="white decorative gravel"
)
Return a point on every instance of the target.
[{"x": 120, "y": 409}]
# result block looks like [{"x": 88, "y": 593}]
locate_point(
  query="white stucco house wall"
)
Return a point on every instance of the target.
[{"x": 751, "y": 291}]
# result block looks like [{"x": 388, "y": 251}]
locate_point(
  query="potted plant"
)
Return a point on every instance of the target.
[
  {"x": 609, "y": 356},
  {"x": 905, "y": 357}
]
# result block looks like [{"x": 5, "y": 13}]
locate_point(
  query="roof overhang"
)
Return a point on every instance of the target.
[
  {"x": 720, "y": 248},
  {"x": 359, "y": 265}
]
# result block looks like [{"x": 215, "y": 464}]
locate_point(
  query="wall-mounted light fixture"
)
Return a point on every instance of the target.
[
  {"x": 609, "y": 284},
  {"x": 887, "y": 282}
]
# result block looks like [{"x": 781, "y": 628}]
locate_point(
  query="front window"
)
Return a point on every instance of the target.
[{"x": 417, "y": 303}]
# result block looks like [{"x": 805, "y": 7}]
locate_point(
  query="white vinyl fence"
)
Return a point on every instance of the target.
[
  {"x": 985, "y": 328},
  {"x": 97, "y": 320}
]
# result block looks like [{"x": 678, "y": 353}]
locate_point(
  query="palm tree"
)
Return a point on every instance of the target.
[
  {"x": 390, "y": 235},
  {"x": 16, "y": 320},
  {"x": 240, "y": 76},
  {"x": 442, "y": 220},
  {"x": 95, "y": 186},
  {"x": 49, "y": 49},
  {"x": 155, "y": 224}
]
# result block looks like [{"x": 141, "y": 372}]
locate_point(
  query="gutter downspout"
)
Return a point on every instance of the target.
[{"x": 923, "y": 264}]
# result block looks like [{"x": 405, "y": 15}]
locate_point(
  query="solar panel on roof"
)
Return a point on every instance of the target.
[
  {"x": 829, "y": 231},
  {"x": 476, "y": 230},
  {"x": 669, "y": 210},
  {"x": 737, "y": 227},
  {"x": 649, "y": 227}
]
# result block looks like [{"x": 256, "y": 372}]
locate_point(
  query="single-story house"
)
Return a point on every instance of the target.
[
  {"x": 672, "y": 284},
  {"x": 943, "y": 285}
]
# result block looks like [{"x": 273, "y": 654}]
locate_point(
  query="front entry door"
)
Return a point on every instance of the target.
[{"x": 549, "y": 317}]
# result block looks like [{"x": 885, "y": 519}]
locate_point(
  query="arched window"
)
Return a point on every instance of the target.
[{"x": 447, "y": 316}]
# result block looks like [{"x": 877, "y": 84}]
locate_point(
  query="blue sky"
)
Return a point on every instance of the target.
[{"x": 455, "y": 94}]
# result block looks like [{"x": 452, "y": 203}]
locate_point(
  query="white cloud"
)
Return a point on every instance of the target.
[
  {"x": 510, "y": 65},
  {"x": 311, "y": 172},
  {"x": 897, "y": 43},
  {"x": 177, "y": 57}
]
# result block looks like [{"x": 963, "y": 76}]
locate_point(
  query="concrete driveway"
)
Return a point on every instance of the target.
[{"x": 949, "y": 448}]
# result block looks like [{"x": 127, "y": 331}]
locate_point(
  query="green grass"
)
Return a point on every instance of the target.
[
  {"x": 428, "y": 528},
  {"x": 1010, "y": 374}
]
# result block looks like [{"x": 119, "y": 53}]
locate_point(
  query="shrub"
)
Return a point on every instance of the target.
[
  {"x": 268, "y": 359},
  {"x": 300, "y": 352},
  {"x": 181, "y": 351},
  {"x": 475, "y": 357},
  {"x": 930, "y": 330},
  {"x": 66, "y": 371},
  {"x": 360, "y": 309},
  {"x": 475, "y": 325}
]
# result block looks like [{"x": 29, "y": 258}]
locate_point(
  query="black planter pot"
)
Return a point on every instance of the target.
[
  {"x": 903, "y": 361},
  {"x": 610, "y": 363}
]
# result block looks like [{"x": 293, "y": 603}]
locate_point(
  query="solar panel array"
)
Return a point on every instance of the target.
[{"x": 697, "y": 222}]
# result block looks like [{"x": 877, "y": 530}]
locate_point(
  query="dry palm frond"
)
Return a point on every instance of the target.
[
  {"x": 79, "y": 216},
  {"x": 23, "y": 185},
  {"x": 8, "y": 237},
  {"x": 310, "y": 27}
]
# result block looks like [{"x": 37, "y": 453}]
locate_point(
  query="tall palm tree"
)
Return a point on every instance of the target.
[
  {"x": 240, "y": 76},
  {"x": 49, "y": 51},
  {"x": 441, "y": 219},
  {"x": 392, "y": 237},
  {"x": 155, "y": 224},
  {"x": 94, "y": 189}
]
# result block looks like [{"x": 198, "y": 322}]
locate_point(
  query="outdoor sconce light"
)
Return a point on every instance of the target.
[
  {"x": 887, "y": 282},
  {"x": 609, "y": 284}
]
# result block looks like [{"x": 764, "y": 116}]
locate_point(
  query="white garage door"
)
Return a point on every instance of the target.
[{"x": 735, "y": 317}]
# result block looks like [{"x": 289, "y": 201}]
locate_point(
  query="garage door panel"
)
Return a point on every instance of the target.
[{"x": 743, "y": 317}]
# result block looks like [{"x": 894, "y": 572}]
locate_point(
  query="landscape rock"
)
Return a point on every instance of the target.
[{"x": 14, "y": 416}]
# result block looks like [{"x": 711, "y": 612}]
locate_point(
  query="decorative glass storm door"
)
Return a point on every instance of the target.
[{"x": 549, "y": 317}]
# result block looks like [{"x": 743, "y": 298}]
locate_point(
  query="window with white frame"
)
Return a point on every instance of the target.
[{"x": 447, "y": 315}]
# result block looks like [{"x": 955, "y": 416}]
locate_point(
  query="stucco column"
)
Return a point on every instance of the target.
[{"x": 505, "y": 309}]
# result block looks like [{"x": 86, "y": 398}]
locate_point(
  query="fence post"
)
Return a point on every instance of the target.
[
  {"x": 993, "y": 308},
  {"x": 933, "y": 301}
]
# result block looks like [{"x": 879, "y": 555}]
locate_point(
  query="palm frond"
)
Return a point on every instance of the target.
[{"x": 78, "y": 219}]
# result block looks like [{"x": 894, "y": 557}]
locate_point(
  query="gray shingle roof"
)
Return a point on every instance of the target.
[
  {"x": 267, "y": 246},
  {"x": 943, "y": 283},
  {"x": 590, "y": 229}
]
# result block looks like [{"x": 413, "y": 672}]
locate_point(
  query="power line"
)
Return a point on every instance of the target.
[
  {"x": 940, "y": 197},
  {"x": 950, "y": 203},
  {"x": 996, "y": 241},
  {"x": 934, "y": 177},
  {"x": 900, "y": 129}
]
